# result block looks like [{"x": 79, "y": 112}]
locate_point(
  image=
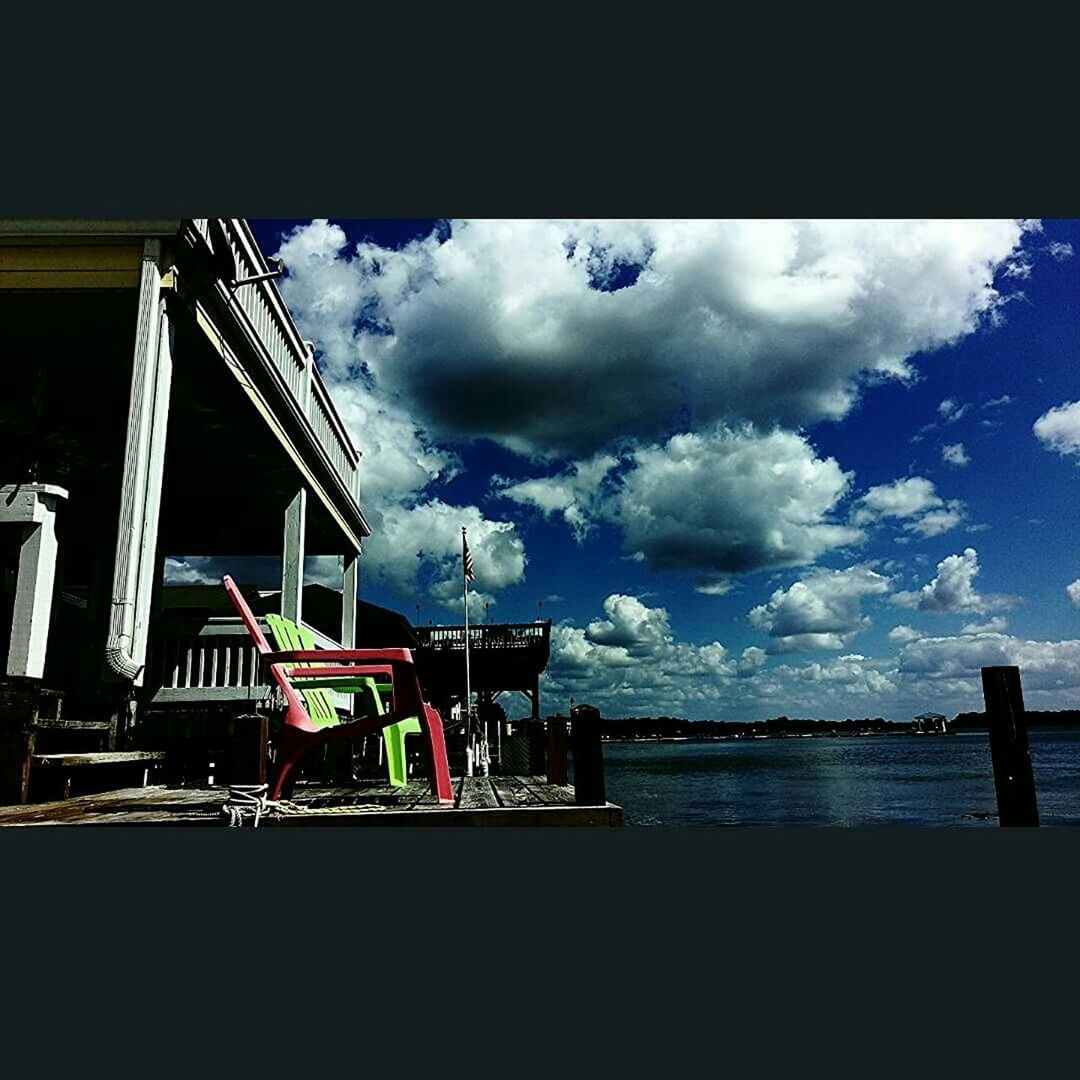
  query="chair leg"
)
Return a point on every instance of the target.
[
  {"x": 440, "y": 767},
  {"x": 290, "y": 750},
  {"x": 394, "y": 738}
]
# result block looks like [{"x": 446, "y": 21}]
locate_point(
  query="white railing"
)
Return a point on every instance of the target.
[
  {"x": 331, "y": 435},
  {"x": 216, "y": 661},
  {"x": 261, "y": 307}
]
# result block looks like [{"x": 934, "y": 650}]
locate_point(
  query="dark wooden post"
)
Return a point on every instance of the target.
[
  {"x": 556, "y": 750},
  {"x": 589, "y": 787},
  {"x": 19, "y": 699},
  {"x": 247, "y": 749},
  {"x": 537, "y": 747},
  {"x": 1013, "y": 778}
]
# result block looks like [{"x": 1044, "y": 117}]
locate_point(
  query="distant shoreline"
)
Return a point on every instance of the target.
[{"x": 814, "y": 735}]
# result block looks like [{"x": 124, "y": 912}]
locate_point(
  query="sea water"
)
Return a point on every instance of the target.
[{"x": 906, "y": 780}]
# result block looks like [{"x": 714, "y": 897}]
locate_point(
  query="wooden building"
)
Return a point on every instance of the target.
[
  {"x": 159, "y": 400},
  {"x": 930, "y": 723}
]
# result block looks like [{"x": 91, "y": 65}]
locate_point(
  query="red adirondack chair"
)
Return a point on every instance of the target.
[{"x": 300, "y": 734}]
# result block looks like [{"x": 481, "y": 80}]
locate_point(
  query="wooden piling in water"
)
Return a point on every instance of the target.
[
  {"x": 1014, "y": 781},
  {"x": 589, "y": 788}
]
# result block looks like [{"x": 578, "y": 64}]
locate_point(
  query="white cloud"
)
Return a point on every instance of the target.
[
  {"x": 838, "y": 682},
  {"x": 902, "y": 634},
  {"x": 751, "y": 662},
  {"x": 997, "y": 625},
  {"x": 397, "y": 460},
  {"x": 953, "y": 589},
  {"x": 575, "y": 494},
  {"x": 901, "y": 499},
  {"x": 1059, "y": 250},
  {"x": 1073, "y": 591},
  {"x": 714, "y": 586},
  {"x": 822, "y": 611},
  {"x": 950, "y": 412},
  {"x": 508, "y": 329},
  {"x": 630, "y": 662},
  {"x": 939, "y": 521},
  {"x": 731, "y": 501},
  {"x": 1059, "y": 428},
  {"x": 418, "y": 548},
  {"x": 324, "y": 570},
  {"x": 1044, "y": 665},
  {"x": 192, "y": 570},
  {"x": 630, "y": 624},
  {"x": 955, "y": 454},
  {"x": 912, "y": 500},
  {"x": 1005, "y": 399}
]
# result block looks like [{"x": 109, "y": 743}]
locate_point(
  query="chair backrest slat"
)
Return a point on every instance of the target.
[
  {"x": 288, "y": 636},
  {"x": 296, "y": 706}
]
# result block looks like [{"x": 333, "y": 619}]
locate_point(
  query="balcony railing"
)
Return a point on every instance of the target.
[
  {"x": 485, "y": 636},
  {"x": 210, "y": 661},
  {"x": 261, "y": 307}
]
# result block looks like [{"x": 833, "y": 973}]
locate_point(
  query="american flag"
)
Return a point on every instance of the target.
[{"x": 469, "y": 576}]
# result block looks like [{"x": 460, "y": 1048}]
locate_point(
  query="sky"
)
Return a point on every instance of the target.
[{"x": 819, "y": 469}]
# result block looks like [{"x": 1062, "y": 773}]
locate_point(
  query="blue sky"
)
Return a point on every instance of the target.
[{"x": 748, "y": 468}]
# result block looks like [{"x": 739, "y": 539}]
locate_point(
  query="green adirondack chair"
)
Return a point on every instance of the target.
[{"x": 320, "y": 705}]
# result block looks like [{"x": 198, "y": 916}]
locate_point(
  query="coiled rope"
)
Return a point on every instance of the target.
[{"x": 249, "y": 801}]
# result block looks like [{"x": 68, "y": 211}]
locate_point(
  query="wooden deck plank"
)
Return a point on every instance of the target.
[
  {"x": 548, "y": 794},
  {"x": 413, "y": 805},
  {"x": 475, "y": 793},
  {"x": 511, "y": 791},
  {"x": 121, "y": 757}
]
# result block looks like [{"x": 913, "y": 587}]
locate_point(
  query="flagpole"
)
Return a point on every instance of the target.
[{"x": 468, "y": 685}]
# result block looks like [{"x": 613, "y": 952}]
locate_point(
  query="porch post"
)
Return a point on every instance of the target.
[
  {"x": 32, "y": 507},
  {"x": 292, "y": 563},
  {"x": 350, "y": 581},
  {"x": 350, "y": 584}
]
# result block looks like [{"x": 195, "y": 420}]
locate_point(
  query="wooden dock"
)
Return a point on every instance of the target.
[{"x": 485, "y": 801}]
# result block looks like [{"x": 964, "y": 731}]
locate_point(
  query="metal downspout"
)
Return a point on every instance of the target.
[{"x": 120, "y": 642}]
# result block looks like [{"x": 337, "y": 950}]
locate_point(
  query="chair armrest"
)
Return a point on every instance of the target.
[
  {"x": 358, "y": 672},
  {"x": 336, "y": 656}
]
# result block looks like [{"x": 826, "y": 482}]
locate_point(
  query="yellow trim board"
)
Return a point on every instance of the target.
[{"x": 70, "y": 266}]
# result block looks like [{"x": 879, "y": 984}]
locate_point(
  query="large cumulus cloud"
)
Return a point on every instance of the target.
[
  {"x": 953, "y": 589},
  {"x": 821, "y": 611},
  {"x": 506, "y": 329},
  {"x": 416, "y": 541}
]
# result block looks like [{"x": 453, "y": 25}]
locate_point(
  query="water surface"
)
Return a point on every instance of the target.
[{"x": 847, "y": 781}]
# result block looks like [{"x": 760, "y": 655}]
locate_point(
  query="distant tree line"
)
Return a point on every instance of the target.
[
  {"x": 975, "y": 721},
  {"x": 668, "y": 727}
]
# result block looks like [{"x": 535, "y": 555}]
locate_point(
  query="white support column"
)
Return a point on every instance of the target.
[
  {"x": 32, "y": 507},
  {"x": 292, "y": 562},
  {"x": 350, "y": 583}
]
